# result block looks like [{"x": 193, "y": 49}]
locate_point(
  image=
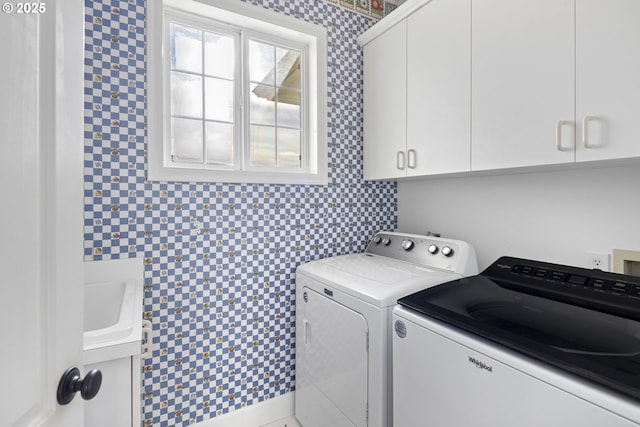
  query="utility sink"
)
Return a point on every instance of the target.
[
  {"x": 109, "y": 309},
  {"x": 113, "y": 299}
]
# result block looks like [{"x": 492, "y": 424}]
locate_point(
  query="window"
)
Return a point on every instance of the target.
[
  {"x": 202, "y": 92},
  {"x": 236, "y": 94}
]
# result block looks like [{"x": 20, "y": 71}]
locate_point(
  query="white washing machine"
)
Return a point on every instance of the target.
[
  {"x": 524, "y": 343},
  {"x": 343, "y": 324}
]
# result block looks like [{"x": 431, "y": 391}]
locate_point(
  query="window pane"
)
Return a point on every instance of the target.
[
  {"x": 218, "y": 99},
  {"x": 289, "y": 148},
  {"x": 186, "y": 140},
  {"x": 219, "y": 58},
  {"x": 262, "y": 105},
  {"x": 186, "y": 95},
  {"x": 288, "y": 68},
  {"x": 262, "y": 146},
  {"x": 262, "y": 62},
  {"x": 288, "y": 108},
  {"x": 219, "y": 143},
  {"x": 186, "y": 48}
]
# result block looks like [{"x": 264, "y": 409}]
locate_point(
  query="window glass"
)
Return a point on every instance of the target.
[
  {"x": 262, "y": 146},
  {"x": 288, "y": 108},
  {"x": 289, "y": 148},
  {"x": 262, "y": 62},
  {"x": 275, "y": 101},
  {"x": 186, "y": 95},
  {"x": 186, "y": 48},
  {"x": 186, "y": 140},
  {"x": 219, "y": 143},
  {"x": 288, "y": 68},
  {"x": 217, "y": 46},
  {"x": 263, "y": 105},
  {"x": 219, "y": 99}
]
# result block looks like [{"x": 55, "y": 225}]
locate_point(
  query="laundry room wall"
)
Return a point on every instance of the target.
[
  {"x": 219, "y": 258},
  {"x": 549, "y": 216}
]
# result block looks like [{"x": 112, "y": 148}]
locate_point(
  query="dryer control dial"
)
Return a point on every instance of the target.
[
  {"x": 386, "y": 241},
  {"x": 447, "y": 251},
  {"x": 407, "y": 244},
  {"x": 433, "y": 249}
]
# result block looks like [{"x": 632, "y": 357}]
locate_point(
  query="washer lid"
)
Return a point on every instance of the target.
[{"x": 377, "y": 280}]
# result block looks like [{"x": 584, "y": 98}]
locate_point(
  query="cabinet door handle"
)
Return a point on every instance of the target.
[
  {"x": 585, "y": 131},
  {"x": 411, "y": 153},
  {"x": 400, "y": 160},
  {"x": 559, "y": 135}
]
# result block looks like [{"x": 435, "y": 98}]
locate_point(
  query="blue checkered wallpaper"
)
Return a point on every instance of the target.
[{"x": 219, "y": 258}]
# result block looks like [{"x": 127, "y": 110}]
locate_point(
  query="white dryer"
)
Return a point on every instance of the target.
[{"x": 343, "y": 324}]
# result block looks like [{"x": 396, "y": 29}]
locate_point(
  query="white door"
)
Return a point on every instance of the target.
[
  {"x": 385, "y": 104},
  {"x": 41, "y": 144},
  {"x": 331, "y": 363},
  {"x": 522, "y": 83},
  {"x": 439, "y": 88},
  {"x": 607, "y": 78}
]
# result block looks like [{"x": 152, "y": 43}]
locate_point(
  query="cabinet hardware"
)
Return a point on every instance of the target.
[
  {"x": 585, "y": 131},
  {"x": 400, "y": 157},
  {"x": 411, "y": 153},
  {"x": 559, "y": 135}
]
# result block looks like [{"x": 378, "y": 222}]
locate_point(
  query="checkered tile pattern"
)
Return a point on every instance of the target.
[{"x": 220, "y": 258}]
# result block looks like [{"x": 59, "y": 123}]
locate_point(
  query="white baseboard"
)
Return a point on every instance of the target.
[{"x": 256, "y": 415}]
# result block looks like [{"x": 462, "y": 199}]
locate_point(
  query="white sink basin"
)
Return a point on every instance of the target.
[
  {"x": 113, "y": 300},
  {"x": 108, "y": 311}
]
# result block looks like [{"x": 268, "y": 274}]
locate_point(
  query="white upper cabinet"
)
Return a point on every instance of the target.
[
  {"x": 439, "y": 88},
  {"x": 385, "y": 104},
  {"x": 522, "y": 83},
  {"x": 417, "y": 93},
  {"x": 503, "y": 84},
  {"x": 607, "y": 79}
]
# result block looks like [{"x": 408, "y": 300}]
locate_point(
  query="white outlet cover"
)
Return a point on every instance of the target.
[{"x": 599, "y": 260}]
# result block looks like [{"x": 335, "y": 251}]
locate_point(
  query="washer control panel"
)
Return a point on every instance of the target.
[
  {"x": 426, "y": 251},
  {"x": 613, "y": 293}
]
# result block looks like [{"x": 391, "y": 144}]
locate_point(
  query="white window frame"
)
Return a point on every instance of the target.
[{"x": 256, "y": 22}]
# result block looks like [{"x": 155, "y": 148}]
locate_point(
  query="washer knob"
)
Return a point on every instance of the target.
[
  {"x": 407, "y": 245},
  {"x": 377, "y": 240},
  {"x": 433, "y": 249},
  {"x": 386, "y": 241},
  {"x": 447, "y": 251}
]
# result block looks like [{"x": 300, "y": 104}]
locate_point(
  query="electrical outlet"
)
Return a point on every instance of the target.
[{"x": 599, "y": 260}]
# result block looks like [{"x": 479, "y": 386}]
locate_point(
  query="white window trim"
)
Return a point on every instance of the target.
[{"x": 262, "y": 20}]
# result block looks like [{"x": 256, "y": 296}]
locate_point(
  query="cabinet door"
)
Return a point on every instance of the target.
[
  {"x": 439, "y": 88},
  {"x": 608, "y": 78},
  {"x": 522, "y": 83},
  {"x": 385, "y": 109}
]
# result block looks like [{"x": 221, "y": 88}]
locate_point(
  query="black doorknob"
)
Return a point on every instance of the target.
[{"x": 70, "y": 383}]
